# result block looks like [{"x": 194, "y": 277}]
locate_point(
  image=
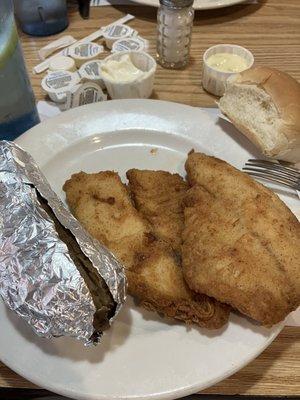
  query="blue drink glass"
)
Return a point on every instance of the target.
[
  {"x": 41, "y": 17},
  {"x": 18, "y": 111}
]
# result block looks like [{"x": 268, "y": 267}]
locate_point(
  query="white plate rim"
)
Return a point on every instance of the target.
[
  {"x": 198, "y": 4},
  {"x": 193, "y": 389}
]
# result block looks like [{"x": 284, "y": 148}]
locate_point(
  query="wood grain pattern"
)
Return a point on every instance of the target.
[{"x": 271, "y": 30}]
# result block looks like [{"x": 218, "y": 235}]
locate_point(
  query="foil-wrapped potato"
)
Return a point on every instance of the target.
[{"x": 52, "y": 273}]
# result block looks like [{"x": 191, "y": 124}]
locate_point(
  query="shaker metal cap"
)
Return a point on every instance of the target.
[{"x": 176, "y": 3}]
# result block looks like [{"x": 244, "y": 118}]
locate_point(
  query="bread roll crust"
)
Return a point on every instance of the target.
[{"x": 285, "y": 94}]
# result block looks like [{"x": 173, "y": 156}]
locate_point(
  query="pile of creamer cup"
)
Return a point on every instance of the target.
[{"x": 79, "y": 76}]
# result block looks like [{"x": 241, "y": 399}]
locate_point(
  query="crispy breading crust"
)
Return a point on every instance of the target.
[
  {"x": 102, "y": 204},
  {"x": 159, "y": 195},
  {"x": 241, "y": 244},
  {"x": 157, "y": 280}
]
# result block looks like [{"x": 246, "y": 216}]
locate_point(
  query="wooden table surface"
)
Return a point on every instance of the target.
[{"x": 271, "y": 30}]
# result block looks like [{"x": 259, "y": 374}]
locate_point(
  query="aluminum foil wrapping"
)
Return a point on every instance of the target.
[{"x": 38, "y": 279}]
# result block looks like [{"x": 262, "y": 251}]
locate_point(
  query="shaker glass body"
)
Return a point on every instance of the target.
[
  {"x": 174, "y": 31},
  {"x": 17, "y": 104}
]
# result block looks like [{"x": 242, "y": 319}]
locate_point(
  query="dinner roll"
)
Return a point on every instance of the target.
[{"x": 264, "y": 104}]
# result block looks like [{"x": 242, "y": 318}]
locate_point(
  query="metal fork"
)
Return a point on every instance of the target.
[{"x": 275, "y": 172}]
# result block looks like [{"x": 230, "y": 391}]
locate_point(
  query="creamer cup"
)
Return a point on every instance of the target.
[
  {"x": 128, "y": 44},
  {"x": 84, "y": 93},
  {"x": 62, "y": 63},
  {"x": 91, "y": 72},
  {"x": 117, "y": 31},
  {"x": 57, "y": 83},
  {"x": 85, "y": 52}
]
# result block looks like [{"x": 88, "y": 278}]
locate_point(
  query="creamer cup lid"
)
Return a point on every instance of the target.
[
  {"x": 62, "y": 63},
  {"x": 59, "y": 81},
  {"x": 118, "y": 31},
  {"x": 91, "y": 69},
  {"x": 86, "y": 50},
  {"x": 85, "y": 93},
  {"x": 136, "y": 44}
]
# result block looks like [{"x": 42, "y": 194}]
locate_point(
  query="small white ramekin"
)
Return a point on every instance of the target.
[
  {"x": 214, "y": 81},
  {"x": 142, "y": 87}
]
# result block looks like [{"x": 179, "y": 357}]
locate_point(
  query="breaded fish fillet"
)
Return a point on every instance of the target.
[
  {"x": 159, "y": 195},
  {"x": 241, "y": 244},
  {"x": 102, "y": 204}
]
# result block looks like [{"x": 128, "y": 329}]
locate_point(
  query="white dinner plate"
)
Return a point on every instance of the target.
[
  {"x": 198, "y": 4},
  {"x": 142, "y": 356}
]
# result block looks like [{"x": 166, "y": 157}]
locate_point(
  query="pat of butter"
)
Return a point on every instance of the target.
[
  {"x": 227, "y": 62},
  {"x": 122, "y": 70}
]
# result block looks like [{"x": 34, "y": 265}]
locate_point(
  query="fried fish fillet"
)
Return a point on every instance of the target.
[
  {"x": 102, "y": 204},
  {"x": 158, "y": 196},
  {"x": 241, "y": 244}
]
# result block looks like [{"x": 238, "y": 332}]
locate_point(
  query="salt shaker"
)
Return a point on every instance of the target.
[{"x": 174, "y": 32}]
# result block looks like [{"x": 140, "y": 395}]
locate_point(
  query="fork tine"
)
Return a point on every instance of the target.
[
  {"x": 273, "y": 179},
  {"x": 269, "y": 173},
  {"x": 282, "y": 164},
  {"x": 272, "y": 164},
  {"x": 288, "y": 171},
  {"x": 275, "y": 172},
  {"x": 280, "y": 167}
]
